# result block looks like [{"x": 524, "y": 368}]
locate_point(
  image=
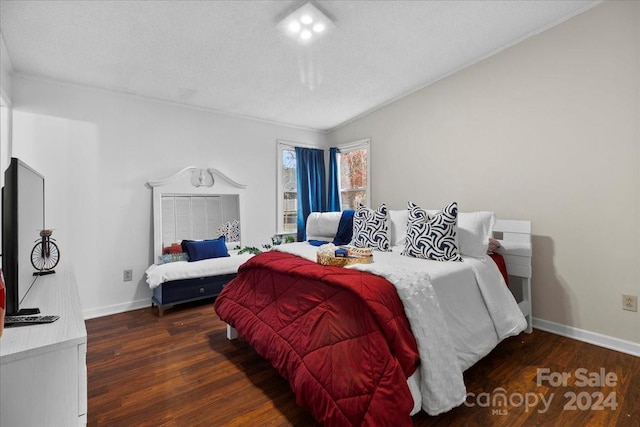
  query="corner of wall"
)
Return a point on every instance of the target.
[{"x": 5, "y": 73}]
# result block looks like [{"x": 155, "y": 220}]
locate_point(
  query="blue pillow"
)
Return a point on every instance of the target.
[{"x": 205, "y": 249}]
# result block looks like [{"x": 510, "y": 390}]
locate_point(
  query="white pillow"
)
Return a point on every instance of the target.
[
  {"x": 323, "y": 225},
  {"x": 398, "y": 226},
  {"x": 474, "y": 230}
]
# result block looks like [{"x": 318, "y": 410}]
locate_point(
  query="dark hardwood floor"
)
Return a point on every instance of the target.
[{"x": 180, "y": 370}]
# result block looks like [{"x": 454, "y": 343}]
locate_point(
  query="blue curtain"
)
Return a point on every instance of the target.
[
  {"x": 333, "y": 204},
  {"x": 311, "y": 178}
]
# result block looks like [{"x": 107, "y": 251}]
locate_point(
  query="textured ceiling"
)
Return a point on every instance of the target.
[{"x": 228, "y": 56}]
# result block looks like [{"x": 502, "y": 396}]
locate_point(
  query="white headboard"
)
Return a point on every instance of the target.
[
  {"x": 197, "y": 183},
  {"x": 519, "y": 232},
  {"x": 517, "y": 253}
]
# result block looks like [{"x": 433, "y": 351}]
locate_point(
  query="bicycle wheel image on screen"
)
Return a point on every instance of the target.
[{"x": 45, "y": 255}]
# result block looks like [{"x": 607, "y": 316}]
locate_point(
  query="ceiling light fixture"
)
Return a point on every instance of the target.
[{"x": 306, "y": 24}]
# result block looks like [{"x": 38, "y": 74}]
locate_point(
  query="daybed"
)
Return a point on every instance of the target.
[
  {"x": 201, "y": 210},
  {"x": 374, "y": 343},
  {"x": 183, "y": 281}
]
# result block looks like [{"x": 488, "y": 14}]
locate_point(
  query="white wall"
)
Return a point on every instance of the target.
[
  {"x": 547, "y": 130},
  {"x": 5, "y": 102},
  {"x": 5, "y": 114},
  {"x": 97, "y": 149},
  {"x": 5, "y": 70}
]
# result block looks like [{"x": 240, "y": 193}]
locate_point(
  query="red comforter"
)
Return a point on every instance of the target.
[{"x": 339, "y": 336}]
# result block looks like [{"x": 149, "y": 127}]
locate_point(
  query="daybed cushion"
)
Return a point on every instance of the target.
[{"x": 158, "y": 274}]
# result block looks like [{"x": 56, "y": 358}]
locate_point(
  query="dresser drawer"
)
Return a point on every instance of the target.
[{"x": 190, "y": 289}]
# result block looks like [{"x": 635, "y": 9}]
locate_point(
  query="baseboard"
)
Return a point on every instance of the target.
[
  {"x": 116, "y": 308},
  {"x": 595, "y": 338}
]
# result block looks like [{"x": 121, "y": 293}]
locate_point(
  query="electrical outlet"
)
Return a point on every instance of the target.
[
  {"x": 630, "y": 302},
  {"x": 127, "y": 275}
]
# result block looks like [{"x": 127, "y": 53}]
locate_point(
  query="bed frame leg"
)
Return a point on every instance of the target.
[
  {"x": 526, "y": 295},
  {"x": 232, "y": 334}
]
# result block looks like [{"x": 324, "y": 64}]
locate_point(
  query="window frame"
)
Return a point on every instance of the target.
[
  {"x": 360, "y": 144},
  {"x": 281, "y": 146}
]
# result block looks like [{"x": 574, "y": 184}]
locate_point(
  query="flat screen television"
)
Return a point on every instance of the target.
[{"x": 22, "y": 220}]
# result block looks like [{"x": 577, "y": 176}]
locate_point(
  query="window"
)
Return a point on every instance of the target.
[
  {"x": 287, "y": 189},
  {"x": 353, "y": 165},
  {"x": 354, "y": 169}
]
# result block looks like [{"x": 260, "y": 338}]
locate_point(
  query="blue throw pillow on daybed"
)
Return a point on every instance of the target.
[{"x": 205, "y": 249}]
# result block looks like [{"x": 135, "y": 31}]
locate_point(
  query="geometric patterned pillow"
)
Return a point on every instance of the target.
[
  {"x": 233, "y": 233},
  {"x": 432, "y": 237},
  {"x": 223, "y": 229},
  {"x": 230, "y": 230},
  {"x": 370, "y": 228}
]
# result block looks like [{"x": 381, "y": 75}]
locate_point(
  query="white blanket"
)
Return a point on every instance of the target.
[
  {"x": 157, "y": 274},
  {"x": 441, "y": 384}
]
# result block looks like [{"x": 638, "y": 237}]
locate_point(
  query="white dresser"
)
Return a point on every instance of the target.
[{"x": 43, "y": 371}]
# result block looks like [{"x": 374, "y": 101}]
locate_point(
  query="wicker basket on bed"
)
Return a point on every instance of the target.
[{"x": 342, "y": 261}]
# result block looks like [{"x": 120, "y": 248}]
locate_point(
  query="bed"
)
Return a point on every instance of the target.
[
  {"x": 198, "y": 228},
  {"x": 372, "y": 344}
]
